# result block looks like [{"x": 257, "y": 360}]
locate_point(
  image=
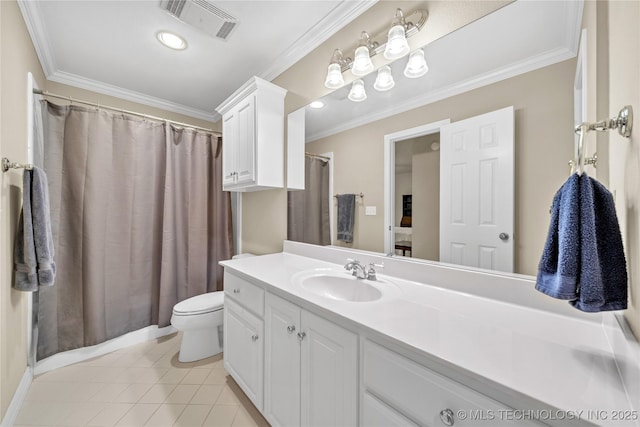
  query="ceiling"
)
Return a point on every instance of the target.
[
  {"x": 110, "y": 47},
  {"x": 515, "y": 39}
]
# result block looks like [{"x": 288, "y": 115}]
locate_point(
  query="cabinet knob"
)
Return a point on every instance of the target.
[
  {"x": 291, "y": 329},
  {"x": 236, "y": 291},
  {"x": 301, "y": 335},
  {"x": 446, "y": 416},
  {"x": 254, "y": 337}
]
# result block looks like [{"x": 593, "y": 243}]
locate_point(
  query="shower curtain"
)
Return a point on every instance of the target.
[
  {"x": 139, "y": 222},
  {"x": 308, "y": 209}
]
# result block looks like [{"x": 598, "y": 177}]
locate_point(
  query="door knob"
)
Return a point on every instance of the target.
[
  {"x": 503, "y": 236},
  {"x": 301, "y": 335},
  {"x": 291, "y": 329}
]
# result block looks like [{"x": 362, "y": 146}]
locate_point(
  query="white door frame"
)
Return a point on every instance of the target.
[{"x": 390, "y": 176}]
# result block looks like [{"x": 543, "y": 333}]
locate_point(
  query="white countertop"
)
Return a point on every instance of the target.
[{"x": 562, "y": 362}]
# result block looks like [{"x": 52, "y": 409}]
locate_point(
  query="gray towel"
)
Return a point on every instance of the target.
[
  {"x": 346, "y": 216},
  {"x": 33, "y": 251}
]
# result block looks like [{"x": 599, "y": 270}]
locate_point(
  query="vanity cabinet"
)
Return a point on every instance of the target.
[
  {"x": 310, "y": 368},
  {"x": 253, "y": 137},
  {"x": 397, "y": 391},
  {"x": 243, "y": 336}
]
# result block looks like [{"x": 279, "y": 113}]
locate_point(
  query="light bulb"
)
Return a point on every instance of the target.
[
  {"x": 357, "y": 92},
  {"x": 397, "y": 45},
  {"x": 384, "y": 80},
  {"x": 416, "y": 65},
  {"x": 362, "y": 64},
  {"x": 334, "y": 77}
]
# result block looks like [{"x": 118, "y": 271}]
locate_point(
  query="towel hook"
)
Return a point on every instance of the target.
[
  {"x": 623, "y": 122},
  {"x": 578, "y": 163}
]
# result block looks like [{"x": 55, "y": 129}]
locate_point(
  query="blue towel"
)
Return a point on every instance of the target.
[
  {"x": 558, "y": 268},
  {"x": 346, "y": 216},
  {"x": 583, "y": 259},
  {"x": 603, "y": 281}
]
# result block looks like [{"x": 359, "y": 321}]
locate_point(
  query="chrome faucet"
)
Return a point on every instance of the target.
[{"x": 358, "y": 270}]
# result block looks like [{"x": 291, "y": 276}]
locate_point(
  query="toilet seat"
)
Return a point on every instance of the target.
[{"x": 200, "y": 304}]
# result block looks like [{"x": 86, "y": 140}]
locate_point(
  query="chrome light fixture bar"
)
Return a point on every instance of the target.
[{"x": 411, "y": 23}]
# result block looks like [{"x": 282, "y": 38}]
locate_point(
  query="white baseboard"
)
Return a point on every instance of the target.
[
  {"x": 18, "y": 399},
  {"x": 78, "y": 355}
]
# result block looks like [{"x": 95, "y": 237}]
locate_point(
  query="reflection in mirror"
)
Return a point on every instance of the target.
[
  {"x": 522, "y": 55},
  {"x": 417, "y": 179}
]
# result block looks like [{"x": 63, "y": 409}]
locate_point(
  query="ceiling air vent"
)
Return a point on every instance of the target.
[{"x": 203, "y": 15}]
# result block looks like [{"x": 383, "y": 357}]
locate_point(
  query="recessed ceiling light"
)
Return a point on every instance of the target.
[
  {"x": 171, "y": 40},
  {"x": 316, "y": 104}
]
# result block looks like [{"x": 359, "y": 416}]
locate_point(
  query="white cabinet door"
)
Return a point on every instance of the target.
[
  {"x": 246, "y": 139},
  {"x": 329, "y": 373},
  {"x": 243, "y": 350},
  {"x": 229, "y": 132},
  {"x": 282, "y": 362}
]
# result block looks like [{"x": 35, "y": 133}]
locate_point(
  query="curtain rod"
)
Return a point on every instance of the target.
[
  {"x": 317, "y": 155},
  {"x": 120, "y": 110}
]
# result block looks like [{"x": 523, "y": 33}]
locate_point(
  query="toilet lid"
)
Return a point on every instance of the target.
[{"x": 200, "y": 303}]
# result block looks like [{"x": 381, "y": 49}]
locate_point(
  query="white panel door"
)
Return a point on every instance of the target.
[
  {"x": 477, "y": 191},
  {"x": 329, "y": 373},
  {"x": 282, "y": 362}
]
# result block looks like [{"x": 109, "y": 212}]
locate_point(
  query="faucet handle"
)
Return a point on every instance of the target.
[{"x": 371, "y": 273}]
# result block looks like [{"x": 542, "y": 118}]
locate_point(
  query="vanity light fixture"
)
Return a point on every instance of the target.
[
  {"x": 357, "y": 92},
  {"x": 384, "y": 80},
  {"x": 393, "y": 43},
  {"x": 416, "y": 65},
  {"x": 171, "y": 40}
]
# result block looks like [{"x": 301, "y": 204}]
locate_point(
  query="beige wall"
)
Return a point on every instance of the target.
[
  {"x": 543, "y": 101},
  {"x": 624, "y": 89},
  {"x": 426, "y": 205},
  {"x": 17, "y": 57}
]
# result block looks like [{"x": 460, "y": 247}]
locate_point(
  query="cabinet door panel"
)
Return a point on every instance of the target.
[
  {"x": 329, "y": 373},
  {"x": 282, "y": 362},
  {"x": 229, "y": 130},
  {"x": 243, "y": 351},
  {"x": 246, "y": 152}
]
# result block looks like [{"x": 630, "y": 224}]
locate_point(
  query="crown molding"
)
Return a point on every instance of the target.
[
  {"x": 337, "y": 19},
  {"x": 35, "y": 26},
  {"x": 129, "y": 95},
  {"x": 494, "y": 76}
]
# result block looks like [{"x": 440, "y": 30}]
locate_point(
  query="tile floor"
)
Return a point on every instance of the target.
[{"x": 144, "y": 385}]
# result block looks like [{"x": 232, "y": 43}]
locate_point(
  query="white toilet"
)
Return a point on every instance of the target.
[{"x": 200, "y": 320}]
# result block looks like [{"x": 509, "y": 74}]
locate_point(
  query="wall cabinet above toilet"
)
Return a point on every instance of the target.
[{"x": 253, "y": 137}]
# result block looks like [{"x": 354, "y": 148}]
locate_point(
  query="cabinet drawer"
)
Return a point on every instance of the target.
[
  {"x": 421, "y": 394},
  {"x": 247, "y": 294}
]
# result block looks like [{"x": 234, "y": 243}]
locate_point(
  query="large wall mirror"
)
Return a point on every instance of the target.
[{"x": 522, "y": 56}]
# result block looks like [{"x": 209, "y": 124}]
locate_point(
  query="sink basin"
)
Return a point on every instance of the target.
[
  {"x": 338, "y": 285},
  {"x": 346, "y": 288}
]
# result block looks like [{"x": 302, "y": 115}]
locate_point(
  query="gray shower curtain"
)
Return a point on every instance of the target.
[
  {"x": 139, "y": 222},
  {"x": 308, "y": 209}
]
